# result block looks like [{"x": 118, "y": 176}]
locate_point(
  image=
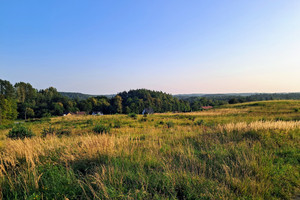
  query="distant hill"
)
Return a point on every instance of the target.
[
  {"x": 185, "y": 96},
  {"x": 225, "y": 96},
  {"x": 260, "y": 96},
  {"x": 80, "y": 96}
]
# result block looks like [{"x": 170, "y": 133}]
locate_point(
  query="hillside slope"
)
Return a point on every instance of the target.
[{"x": 242, "y": 151}]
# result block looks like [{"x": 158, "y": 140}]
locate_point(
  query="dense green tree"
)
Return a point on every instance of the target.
[
  {"x": 127, "y": 110},
  {"x": 6, "y": 89},
  {"x": 58, "y": 108},
  {"x": 103, "y": 105},
  {"x": 25, "y": 92},
  {"x": 85, "y": 105},
  {"x": 8, "y": 105},
  {"x": 233, "y": 101},
  {"x": 29, "y": 113},
  {"x": 117, "y": 104},
  {"x": 8, "y": 109},
  {"x": 137, "y": 100}
]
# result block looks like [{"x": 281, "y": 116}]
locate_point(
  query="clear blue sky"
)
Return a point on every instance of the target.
[{"x": 104, "y": 47}]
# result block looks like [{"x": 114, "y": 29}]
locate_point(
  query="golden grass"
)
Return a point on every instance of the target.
[
  {"x": 260, "y": 125},
  {"x": 186, "y": 153},
  {"x": 90, "y": 145},
  {"x": 78, "y": 147},
  {"x": 211, "y": 112}
]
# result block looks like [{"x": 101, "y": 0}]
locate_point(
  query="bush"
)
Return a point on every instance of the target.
[
  {"x": 6, "y": 126},
  {"x": 48, "y": 131},
  {"x": 144, "y": 119},
  {"x": 297, "y": 109},
  {"x": 89, "y": 122},
  {"x": 53, "y": 131},
  {"x": 132, "y": 115},
  {"x": 46, "y": 115},
  {"x": 199, "y": 122},
  {"x": 63, "y": 132},
  {"x": 20, "y": 132},
  {"x": 99, "y": 128},
  {"x": 170, "y": 124},
  {"x": 192, "y": 118},
  {"x": 117, "y": 124}
]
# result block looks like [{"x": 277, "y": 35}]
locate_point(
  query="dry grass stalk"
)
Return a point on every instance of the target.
[{"x": 260, "y": 125}]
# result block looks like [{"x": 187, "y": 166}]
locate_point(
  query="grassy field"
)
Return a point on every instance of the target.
[{"x": 241, "y": 151}]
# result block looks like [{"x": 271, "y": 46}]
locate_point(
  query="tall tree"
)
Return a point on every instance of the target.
[
  {"x": 117, "y": 104},
  {"x": 8, "y": 105},
  {"x": 6, "y": 89},
  {"x": 8, "y": 109},
  {"x": 24, "y": 92}
]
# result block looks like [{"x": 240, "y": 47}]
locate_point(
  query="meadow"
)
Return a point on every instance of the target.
[{"x": 239, "y": 151}]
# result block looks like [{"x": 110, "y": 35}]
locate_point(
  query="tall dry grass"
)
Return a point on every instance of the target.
[
  {"x": 211, "y": 112},
  {"x": 260, "y": 125},
  {"x": 149, "y": 160}
]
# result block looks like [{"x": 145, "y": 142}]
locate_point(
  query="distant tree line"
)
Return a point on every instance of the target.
[
  {"x": 231, "y": 99},
  {"x": 23, "y": 101},
  {"x": 76, "y": 95},
  {"x": 80, "y": 96}
]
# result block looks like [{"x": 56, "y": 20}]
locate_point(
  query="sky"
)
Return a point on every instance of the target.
[{"x": 175, "y": 46}]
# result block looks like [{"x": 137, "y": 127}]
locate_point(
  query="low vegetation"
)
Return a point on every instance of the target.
[
  {"x": 20, "y": 132},
  {"x": 99, "y": 128},
  {"x": 240, "y": 151}
]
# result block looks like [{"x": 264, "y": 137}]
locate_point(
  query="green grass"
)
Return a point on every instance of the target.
[{"x": 166, "y": 156}]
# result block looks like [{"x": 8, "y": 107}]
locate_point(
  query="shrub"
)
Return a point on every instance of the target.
[
  {"x": 132, "y": 115},
  {"x": 297, "y": 109},
  {"x": 46, "y": 115},
  {"x": 63, "y": 132},
  {"x": 117, "y": 124},
  {"x": 99, "y": 128},
  {"x": 192, "y": 118},
  {"x": 6, "y": 126},
  {"x": 144, "y": 119},
  {"x": 170, "y": 124},
  {"x": 20, "y": 132},
  {"x": 89, "y": 122},
  {"x": 199, "y": 122},
  {"x": 48, "y": 131}
]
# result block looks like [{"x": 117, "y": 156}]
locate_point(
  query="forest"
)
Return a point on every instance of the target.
[{"x": 22, "y": 101}]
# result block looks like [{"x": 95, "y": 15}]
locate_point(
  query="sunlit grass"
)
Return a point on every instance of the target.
[{"x": 243, "y": 152}]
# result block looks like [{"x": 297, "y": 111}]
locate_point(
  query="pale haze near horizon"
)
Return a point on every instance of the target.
[{"x": 179, "y": 47}]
